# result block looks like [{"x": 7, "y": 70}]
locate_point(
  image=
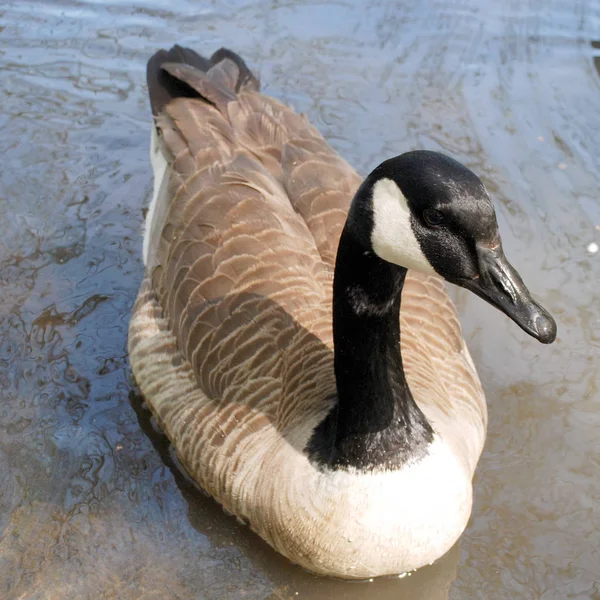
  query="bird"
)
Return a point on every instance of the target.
[{"x": 293, "y": 335}]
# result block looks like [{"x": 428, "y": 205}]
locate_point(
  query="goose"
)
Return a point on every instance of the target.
[{"x": 292, "y": 334}]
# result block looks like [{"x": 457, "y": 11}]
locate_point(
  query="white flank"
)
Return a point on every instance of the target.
[
  {"x": 393, "y": 238},
  {"x": 157, "y": 208}
]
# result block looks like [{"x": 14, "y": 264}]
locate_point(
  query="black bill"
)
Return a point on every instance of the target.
[{"x": 500, "y": 285}]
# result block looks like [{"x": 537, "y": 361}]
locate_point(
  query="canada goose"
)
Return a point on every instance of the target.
[{"x": 280, "y": 378}]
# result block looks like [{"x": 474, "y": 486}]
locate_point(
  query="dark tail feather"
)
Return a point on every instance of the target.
[
  {"x": 189, "y": 57},
  {"x": 181, "y": 72},
  {"x": 246, "y": 79}
]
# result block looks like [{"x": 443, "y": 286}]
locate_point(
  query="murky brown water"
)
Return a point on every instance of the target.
[{"x": 91, "y": 505}]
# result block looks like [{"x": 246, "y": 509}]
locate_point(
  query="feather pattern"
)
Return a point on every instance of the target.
[{"x": 231, "y": 335}]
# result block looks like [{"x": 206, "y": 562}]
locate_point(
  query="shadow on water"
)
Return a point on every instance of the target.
[{"x": 91, "y": 504}]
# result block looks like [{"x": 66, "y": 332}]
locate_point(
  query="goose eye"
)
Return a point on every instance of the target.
[{"x": 433, "y": 217}]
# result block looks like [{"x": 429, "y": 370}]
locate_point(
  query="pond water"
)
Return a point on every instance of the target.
[{"x": 91, "y": 502}]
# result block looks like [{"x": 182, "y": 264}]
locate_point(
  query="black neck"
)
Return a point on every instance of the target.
[{"x": 376, "y": 422}]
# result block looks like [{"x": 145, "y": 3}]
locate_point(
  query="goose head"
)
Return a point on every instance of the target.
[{"x": 425, "y": 211}]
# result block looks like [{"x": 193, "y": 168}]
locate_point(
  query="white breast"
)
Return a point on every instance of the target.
[{"x": 359, "y": 525}]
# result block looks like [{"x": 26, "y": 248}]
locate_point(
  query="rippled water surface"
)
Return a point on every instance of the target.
[{"x": 91, "y": 503}]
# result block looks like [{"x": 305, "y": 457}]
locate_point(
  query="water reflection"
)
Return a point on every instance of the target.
[{"x": 91, "y": 504}]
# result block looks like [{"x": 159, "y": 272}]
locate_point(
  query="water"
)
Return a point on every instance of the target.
[{"x": 91, "y": 504}]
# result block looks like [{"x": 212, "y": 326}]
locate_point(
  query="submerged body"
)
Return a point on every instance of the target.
[{"x": 350, "y": 464}]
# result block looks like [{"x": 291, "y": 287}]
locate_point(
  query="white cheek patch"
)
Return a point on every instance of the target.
[
  {"x": 159, "y": 203},
  {"x": 393, "y": 238}
]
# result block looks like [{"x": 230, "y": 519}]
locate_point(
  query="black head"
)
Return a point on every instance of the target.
[{"x": 430, "y": 213}]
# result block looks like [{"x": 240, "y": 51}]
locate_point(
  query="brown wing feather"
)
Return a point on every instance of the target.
[
  {"x": 244, "y": 265},
  {"x": 320, "y": 186},
  {"x": 238, "y": 275}
]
